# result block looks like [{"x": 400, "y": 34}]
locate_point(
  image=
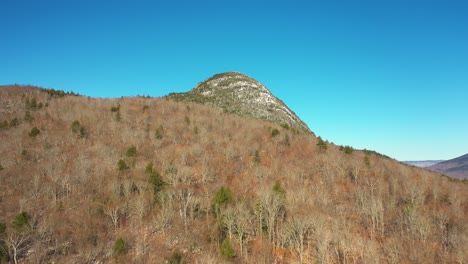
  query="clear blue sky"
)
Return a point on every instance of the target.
[{"x": 390, "y": 76}]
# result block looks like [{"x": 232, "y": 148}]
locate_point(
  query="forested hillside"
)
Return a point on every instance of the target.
[{"x": 149, "y": 180}]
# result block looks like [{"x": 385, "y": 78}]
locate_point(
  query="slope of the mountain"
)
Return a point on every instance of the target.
[
  {"x": 457, "y": 167},
  {"x": 149, "y": 180},
  {"x": 240, "y": 94},
  {"x": 422, "y": 163}
]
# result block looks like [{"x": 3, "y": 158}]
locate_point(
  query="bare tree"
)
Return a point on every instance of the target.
[
  {"x": 17, "y": 244},
  {"x": 371, "y": 207},
  {"x": 114, "y": 213},
  {"x": 295, "y": 235},
  {"x": 242, "y": 223},
  {"x": 163, "y": 219},
  {"x": 185, "y": 197},
  {"x": 229, "y": 217},
  {"x": 273, "y": 205},
  {"x": 140, "y": 206},
  {"x": 320, "y": 236}
]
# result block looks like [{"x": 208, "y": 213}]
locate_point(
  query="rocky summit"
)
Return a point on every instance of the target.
[{"x": 240, "y": 94}]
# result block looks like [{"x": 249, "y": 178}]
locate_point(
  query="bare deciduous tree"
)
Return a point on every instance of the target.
[
  {"x": 114, "y": 214},
  {"x": 295, "y": 235},
  {"x": 228, "y": 218},
  {"x": 185, "y": 197},
  {"x": 242, "y": 223},
  {"x": 273, "y": 206},
  {"x": 17, "y": 244}
]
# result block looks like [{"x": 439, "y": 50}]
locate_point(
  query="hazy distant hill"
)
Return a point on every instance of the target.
[
  {"x": 150, "y": 180},
  {"x": 423, "y": 163},
  {"x": 457, "y": 167}
]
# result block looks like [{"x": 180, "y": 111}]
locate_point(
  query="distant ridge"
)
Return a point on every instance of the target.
[
  {"x": 422, "y": 163},
  {"x": 457, "y": 167},
  {"x": 238, "y": 93}
]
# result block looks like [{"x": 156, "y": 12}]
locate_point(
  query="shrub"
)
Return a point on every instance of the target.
[
  {"x": 131, "y": 151},
  {"x": 83, "y": 132},
  {"x": 278, "y": 189},
  {"x": 156, "y": 182},
  {"x": 321, "y": 145},
  {"x": 176, "y": 258},
  {"x": 76, "y": 126},
  {"x": 21, "y": 220},
  {"x": 274, "y": 132},
  {"x": 286, "y": 141},
  {"x": 348, "y": 150},
  {"x": 256, "y": 156},
  {"x": 171, "y": 169},
  {"x": 4, "y": 258},
  {"x": 115, "y": 108},
  {"x": 222, "y": 198},
  {"x": 34, "y": 132},
  {"x": 120, "y": 246},
  {"x": 4, "y": 125},
  {"x": 122, "y": 165},
  {"x": 285, "y": 126},
  {"x": 14, "y": 122},
  {"x": 149, "y": 168},
  {"x": 2, "y": 228},
  {"x": 3, "y": 247},
  {"x": 226, "y": 249},
  {"x": 31, "y": 104},
  {"x": 28, "y": 117},
  {"x": 159, "y": 132},
  {"x": 1, "y": 167},
  {"x": 367, "y": 161}
]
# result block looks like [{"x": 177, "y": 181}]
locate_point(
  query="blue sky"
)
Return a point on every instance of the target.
[{"x": 390, "y": 76}]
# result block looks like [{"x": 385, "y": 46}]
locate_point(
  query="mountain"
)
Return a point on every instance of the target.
[
  {"x": 457, "y": 167},
  {"x": 150, "y": 180},
  {"x": 423, "y": 163},
  {"x": 240, "y": 94}
]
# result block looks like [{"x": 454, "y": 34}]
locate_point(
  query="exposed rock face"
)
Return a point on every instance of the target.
[{"x": 240, "y": 94}]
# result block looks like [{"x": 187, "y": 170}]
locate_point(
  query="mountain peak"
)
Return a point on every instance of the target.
[
  {"x": 235, "y": 92},
  {"x": 229, "y": 80}
]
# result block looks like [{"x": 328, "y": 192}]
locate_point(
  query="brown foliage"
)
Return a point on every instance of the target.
[{"x": 337, "y": 208}]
